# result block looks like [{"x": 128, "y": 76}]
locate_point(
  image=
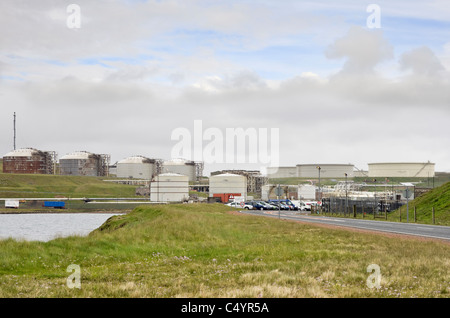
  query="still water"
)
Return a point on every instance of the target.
[{"x": 47, "y": 226}]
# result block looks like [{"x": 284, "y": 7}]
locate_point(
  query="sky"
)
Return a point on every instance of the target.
[{"x": 313, "y": 81}]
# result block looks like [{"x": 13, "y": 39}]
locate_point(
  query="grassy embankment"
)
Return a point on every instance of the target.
[
  {"x": 438, "y": 198},
  {"x": 201, "y": 250},
  {"x": 55, "y": 186}
]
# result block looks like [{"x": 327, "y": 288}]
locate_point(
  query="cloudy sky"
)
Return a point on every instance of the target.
[{"x": 335, "y": 85}]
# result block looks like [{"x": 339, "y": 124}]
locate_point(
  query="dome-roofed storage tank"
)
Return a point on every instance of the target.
[
  {"x": 227, "y": 184},
  {"x": 29, "y": 160},
  {"x": 180, "y": 166},
  {"x": 136, "y": 167},
  {"x": 169, "y": 187},
  {"x": 84, "y": 163}
]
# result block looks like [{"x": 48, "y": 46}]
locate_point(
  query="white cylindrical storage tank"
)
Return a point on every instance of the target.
[
  {"x": 326, "y": 170},
  {"x": 136, "y": 167},
  {"x": 281, "y": 172},
  {"x": 226, "y": 184},
  {"x": 401, "y": 169},
  {"x": 169, "y": 187},
  {"x": 180, "y": 166},
  {"x": 80, "y": 163}
]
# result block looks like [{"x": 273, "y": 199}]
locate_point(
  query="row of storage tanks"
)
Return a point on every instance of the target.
[
  {"x": 84, "y": 163},
  {"x": 376, "y": 170},
  {"x": 33, "y": 161}
]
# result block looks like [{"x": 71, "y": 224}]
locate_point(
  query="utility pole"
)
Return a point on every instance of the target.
[
  {"x": 14, "y": 130},
  {"x": 346, "y": 195},
  {"x": 320, "y": 193}
]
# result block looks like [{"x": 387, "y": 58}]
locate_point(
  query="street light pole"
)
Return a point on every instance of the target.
[
  {"x": 318, "y": 168},
  {"x": 346, "y": 195}
]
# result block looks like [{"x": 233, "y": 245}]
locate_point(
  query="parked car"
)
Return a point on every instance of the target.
[
  {"x": 257, "y": 205},
  {"x": 284, "y": 204},
  {"x": 303, "y": 206},
  {"x": 279, "y": 205},
  {"x": 238, "y": 205},
  {"x": 266, "y": 205}
]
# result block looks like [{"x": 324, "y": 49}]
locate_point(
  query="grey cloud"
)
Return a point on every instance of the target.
[
  {"x": 362, "y": 48},
  {"x": 422, "y": 61}
]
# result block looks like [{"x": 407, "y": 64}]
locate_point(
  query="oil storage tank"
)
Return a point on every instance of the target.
[
  {"x": 169, "y": 187},
  {"x": 84, "y": 163},
  {"x": 332, "y": 170},
  {"x": 180, "y": 166},
  {"x": 401, "y": 169},
  {"x": 29, "y": 160},
  {"x": 136, "y": 167},
  {"x": 223, "y": 186}
]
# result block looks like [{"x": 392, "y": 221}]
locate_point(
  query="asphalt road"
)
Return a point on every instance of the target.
[{"x": 423, "y": 230}]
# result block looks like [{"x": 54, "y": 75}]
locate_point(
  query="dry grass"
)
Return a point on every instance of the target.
[{"x": 204, "y": 251}]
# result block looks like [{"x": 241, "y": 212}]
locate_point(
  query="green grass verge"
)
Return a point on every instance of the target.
[{"x": 201, "y": 250}]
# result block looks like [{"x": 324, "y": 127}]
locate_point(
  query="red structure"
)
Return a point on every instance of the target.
[{"x": 29, "y": 160}]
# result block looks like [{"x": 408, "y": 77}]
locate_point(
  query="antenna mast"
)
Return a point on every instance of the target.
[{"x": 14, "y": 130}]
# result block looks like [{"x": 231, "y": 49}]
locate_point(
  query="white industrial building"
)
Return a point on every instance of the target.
[
  {"x": 136, "y": 167},
  {"x": 227, "y": 184},
  {"x": 181, "y": 166},
  {"x": 401, "y": 169},
  {"x": 169, "y": 187},
  {"x": 307, "y": 192}
]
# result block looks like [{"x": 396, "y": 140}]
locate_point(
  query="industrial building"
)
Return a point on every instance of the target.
[
  {"x": 83, "y": 163},
  {"x": 29, "y": 160},
  {"x": 192, "y": 169},
  {"x": 401, "y": 169},
  {"x": 136, "y": 167},
  {"x": 255, "y": 180},
  {"x": 169, "y": 187},
  {"x": 223, "y": 186}
]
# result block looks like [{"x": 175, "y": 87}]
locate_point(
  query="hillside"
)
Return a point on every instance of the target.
[
  {"x": 439, "y": 198},
  {"x": 39, "y": 186}
]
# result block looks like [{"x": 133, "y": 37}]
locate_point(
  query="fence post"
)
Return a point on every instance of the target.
[
  {"x": 433, "y": 214},
  {"x": 354, "y": 210},
  {"x": 415, "y": 219},
  {"x": 400, "y": 210}
]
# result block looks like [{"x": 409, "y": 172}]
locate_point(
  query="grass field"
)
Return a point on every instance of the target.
[
  {"x": 203, "y": 250},
  {"x": 40, "y": 186}
]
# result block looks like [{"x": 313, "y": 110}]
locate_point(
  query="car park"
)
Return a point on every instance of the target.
[
  {"x": 256, "y": 205},
  {"x": 238, "y": 205}
]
